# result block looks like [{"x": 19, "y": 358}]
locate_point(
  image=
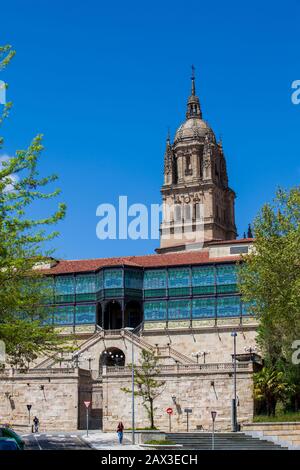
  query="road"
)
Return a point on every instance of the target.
[{"x": 54, "y": 441}]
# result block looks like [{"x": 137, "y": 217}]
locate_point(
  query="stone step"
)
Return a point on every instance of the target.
[{"x": 222, "y": 441}]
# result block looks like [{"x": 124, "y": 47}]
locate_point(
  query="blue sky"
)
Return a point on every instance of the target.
[{"x": 104, "y": 80}]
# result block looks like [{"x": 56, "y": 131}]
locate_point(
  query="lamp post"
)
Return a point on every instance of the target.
[
  {"x": 234, "y": 408},
  {"x": 132, "y": 385},
  {"x": 29, "y": 409},
  {"x": 213, "y": 417}
]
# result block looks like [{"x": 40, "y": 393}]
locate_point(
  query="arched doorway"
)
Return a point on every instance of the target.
[
  {"x": 112, "y": 316},
  {"x": 112, "y": 357},
  {"x": 133, "y": 314}
]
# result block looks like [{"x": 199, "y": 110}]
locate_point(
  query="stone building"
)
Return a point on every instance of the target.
[{"x": 181, "y": 304}]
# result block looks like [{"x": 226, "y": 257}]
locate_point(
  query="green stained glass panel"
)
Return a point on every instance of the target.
[
  {"x": 134, "y": 279},
  {"x": 99, "y": 281}
]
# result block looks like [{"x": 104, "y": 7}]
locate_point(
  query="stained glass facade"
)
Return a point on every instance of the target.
[{"x": 190, "y": 292}]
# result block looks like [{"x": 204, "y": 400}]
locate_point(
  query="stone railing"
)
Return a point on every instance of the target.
[{"x": 186, "y": 368}]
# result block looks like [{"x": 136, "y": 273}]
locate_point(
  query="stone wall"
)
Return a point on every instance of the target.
[
  {"x": 207, "y": 391},
  {"x": 52, "y": 393}
]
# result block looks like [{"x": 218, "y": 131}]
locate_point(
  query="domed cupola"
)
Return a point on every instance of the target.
[{"x": 194, "y": 128}]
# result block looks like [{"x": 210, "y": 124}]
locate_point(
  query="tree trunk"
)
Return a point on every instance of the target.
[{"x": 151, "y": 414}]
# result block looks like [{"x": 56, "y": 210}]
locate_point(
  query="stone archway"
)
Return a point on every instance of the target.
[
  {"x": 133, "y": 314},
  {"x": 112, "y": 316},
  {"x": 112, "y": 357}
]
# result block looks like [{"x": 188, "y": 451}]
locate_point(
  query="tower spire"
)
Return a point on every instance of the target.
[
  {"x": 193, "y": 81},
  {"x": 193, "y": 105}
]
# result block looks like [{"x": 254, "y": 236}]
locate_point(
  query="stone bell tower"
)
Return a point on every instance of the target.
[{"x": 198, "y": 203}]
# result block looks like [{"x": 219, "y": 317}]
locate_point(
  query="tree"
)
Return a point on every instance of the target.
[
  {"x": 23, "y": 290},
  {"x": 269, "y": 279},
  {"x": 270, "y": 386},
  {"x": 149, "y": 387}
]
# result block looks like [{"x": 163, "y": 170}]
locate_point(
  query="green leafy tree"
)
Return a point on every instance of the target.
[
  {"x": 149, "y": 387},
  {"x": 23, "y": 290},
  {"x": 270, "y": 387},
  {"x": 269, "y": 279},
  {"x": 270, "y": 276}
]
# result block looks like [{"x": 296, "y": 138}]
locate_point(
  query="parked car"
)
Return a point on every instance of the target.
[
  {"x": 6, "y": 443},
  {"x": 11, "y": 434}
]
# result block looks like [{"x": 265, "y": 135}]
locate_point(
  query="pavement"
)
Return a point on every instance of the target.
[
  {"x": 55, "y": 441},
  {"x": 108, "y": 441},
  {"x": 77, "y": 440}
]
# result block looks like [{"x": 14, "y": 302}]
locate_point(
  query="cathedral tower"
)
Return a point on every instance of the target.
[{"x": 198, "y": 203}]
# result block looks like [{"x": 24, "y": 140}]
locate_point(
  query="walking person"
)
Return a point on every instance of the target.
[
  {"x": 120, "y": 431},
  {"x": 36, "y": 423}
]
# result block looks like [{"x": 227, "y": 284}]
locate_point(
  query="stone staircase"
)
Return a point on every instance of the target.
[
  {"x": 287, "y": 434},
  {"x": 223, "y": 441},
  {"x": 163, "y": 352}
]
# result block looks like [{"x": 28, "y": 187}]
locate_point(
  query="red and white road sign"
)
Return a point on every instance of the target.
[
  {"x": 169, "y": 411},
  {"x": 87, "y": 404}
]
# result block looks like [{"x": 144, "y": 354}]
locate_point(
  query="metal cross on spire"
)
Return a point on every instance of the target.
[{"x": 193, "y": 81}]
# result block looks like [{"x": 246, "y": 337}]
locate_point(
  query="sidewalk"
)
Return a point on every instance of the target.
[{"x": 107, "y": 441}]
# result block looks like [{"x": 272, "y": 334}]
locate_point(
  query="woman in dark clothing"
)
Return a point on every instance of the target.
[{"x": 120, "y": 431}]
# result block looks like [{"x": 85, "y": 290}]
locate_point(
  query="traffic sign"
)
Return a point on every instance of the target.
[
  {"x": 188, "y": 410},
  {"x": 169, "y": 411},
  {"x": 87, "y": 404}
]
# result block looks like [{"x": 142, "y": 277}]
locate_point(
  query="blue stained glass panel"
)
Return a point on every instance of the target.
[
  {"x": 155, "y": 310},
  {"x": 228, "y": 306},
  {"x": 179, "y": 277},
  {"x": 113, "y": 279},
  {"x": 64, "y": 285},
  {"x": 85, "y": 314},
  {"x": 155, "y": 279},
  {"x": 179, "y": 309},
  {"x": 226, "y": 274},
  {"x": 204, "y": 308},
  {"x": 64, "y": 315},
  {"x": 85, "y": 284},
  {"x": 203, "y": 276}
]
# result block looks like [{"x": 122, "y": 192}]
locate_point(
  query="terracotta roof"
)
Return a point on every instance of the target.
[{"x": 146, "y": 261}]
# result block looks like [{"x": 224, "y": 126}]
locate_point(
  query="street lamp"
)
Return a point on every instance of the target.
[
  {"x": 132, "y": 384},
  {"x": 250, "y": 350},
  {"x": 200, "y": 354},
  {"x": 234, "y": 409}
]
